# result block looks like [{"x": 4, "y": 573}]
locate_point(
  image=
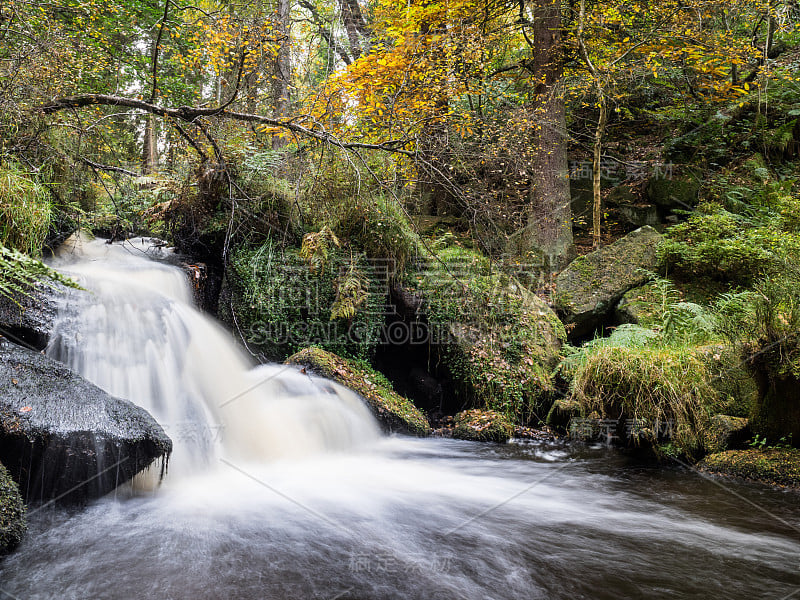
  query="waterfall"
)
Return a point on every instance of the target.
[{"x": 136, "y": 335}]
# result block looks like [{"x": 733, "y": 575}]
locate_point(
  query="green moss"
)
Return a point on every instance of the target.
[
  {"x": 725, "y": 433},
  {"x": 482, "y": 426},
  {"x": 562, "y": 412},
  {"x": 12, "y": 513},
  {"x": 498, "y": 341},
  {"x": 395, "y": 412},
  {"x": 281, "y": 304},
  {"x": 735, "y": 386},
  {"x": 772, "y": 466}
]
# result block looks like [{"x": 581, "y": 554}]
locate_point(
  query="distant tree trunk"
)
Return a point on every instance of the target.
[
  {"x": 354, "y": 25},
  {"x": 547, "y": 237},
  {"x": 150, "y": 146},
  {"x": 597, "y": 216},
  {"x": 282, "y": 73}
]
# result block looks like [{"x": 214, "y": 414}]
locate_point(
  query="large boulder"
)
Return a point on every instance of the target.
[
  {"x": 592, "y": 285},
  {"x": 12, "y": 513},
  {"x": 487, "y": 333},
  {"x": 394, "y": 412},
  {"x": 63, "y": 437}
]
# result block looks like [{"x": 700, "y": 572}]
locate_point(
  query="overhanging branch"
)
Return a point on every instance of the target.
[{"x": 190, "y": 114}]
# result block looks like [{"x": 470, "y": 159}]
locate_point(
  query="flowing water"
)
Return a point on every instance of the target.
[{"x": 284, "y": 489}]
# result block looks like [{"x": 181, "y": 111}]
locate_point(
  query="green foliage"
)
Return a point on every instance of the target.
[
  {"x": 24, "y": 210},
  {"x": 281, "y": 305},
  {"x": 765, "y": 323},
  {"x": 18, "y": 272},
  {"x": 747, "y": 228},
  {"x": 316, "y": 248}
]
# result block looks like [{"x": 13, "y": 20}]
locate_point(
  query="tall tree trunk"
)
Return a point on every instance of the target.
[
  {"x": 283, "y": 69},
  {"x": 354, "y": 25},
  {"x": 547, "y": 238}
]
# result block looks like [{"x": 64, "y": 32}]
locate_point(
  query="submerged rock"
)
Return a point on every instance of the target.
[
  {"x": 773, "y": 466},
  {"x": 592, "y": 285},
  {"x": 482, "y": 426},
  {"x": 12, "y": 513},
  {"x": 64, "y": 438},
  {"x": 394, "y": 412}
]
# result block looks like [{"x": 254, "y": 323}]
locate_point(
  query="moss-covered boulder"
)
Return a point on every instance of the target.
[
  {"x": 497, "y": 341},
  {"x": 394, "y": 412},
  {"x": 774, "y": 466},
  {"x": 638, "y": 305},
  {"x": 674, "y": 193},
  {"x": 482, "y": 426},
  {"x": 588, "y": 290},
  {"x": 562, "y": 412},
  {"x": 12, "y": 513},
  {"x": 726, "y": 433}
]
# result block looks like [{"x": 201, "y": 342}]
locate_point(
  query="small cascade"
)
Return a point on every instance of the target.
[{"x": 136, "y": 335}]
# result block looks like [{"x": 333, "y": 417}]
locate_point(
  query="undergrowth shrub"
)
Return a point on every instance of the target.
[{"x": 24, "y": 210}]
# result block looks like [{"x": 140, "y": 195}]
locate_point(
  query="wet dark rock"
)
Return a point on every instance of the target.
[
  {"x": 63, "y": 437},
  {"x": 29, "y": 318},
  {"x": 12, "y": 513},
  {"x": 588, "y": 290}
]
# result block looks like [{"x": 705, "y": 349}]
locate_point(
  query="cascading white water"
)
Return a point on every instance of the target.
[{"x": 136, "y": 335}]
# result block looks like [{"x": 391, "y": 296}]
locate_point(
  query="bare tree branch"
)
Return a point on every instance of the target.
[{"x": 190, "y": 113}]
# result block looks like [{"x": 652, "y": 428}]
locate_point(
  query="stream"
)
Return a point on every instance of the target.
[{"x": 282, "y": 487}]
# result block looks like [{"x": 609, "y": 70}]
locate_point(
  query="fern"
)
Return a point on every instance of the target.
[
  {"x": 352, "y": 291},
  {"x": 316, "y": 247},
  {"x": 18, "y": 272}
]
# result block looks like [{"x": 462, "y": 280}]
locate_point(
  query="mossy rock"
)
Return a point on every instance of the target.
[
  {"x": 726, "y": 433},
  {"x": 592, "y": 285},
  {"x": 394, "y": 412},
  {"x": 734, "y": 383},
  {"x": 638, "y": 305},
  {"x": 562, "y": 412},
  {"x": 774, "y": 466},
  {"x": 12, "y": 513},
  {"x": 674, "y": 193},
  {"x": 498, "y": 341},
  {"x": 482, "y": 426}
]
